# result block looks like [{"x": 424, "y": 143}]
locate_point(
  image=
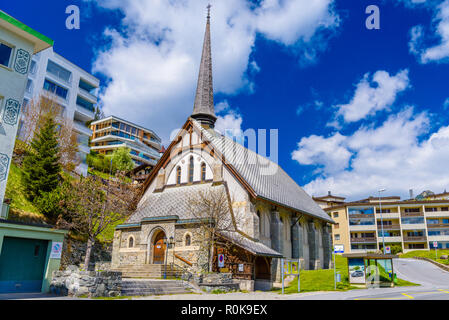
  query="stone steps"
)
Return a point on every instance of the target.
[
  {"x": 152, "y": 287},
  {"x": 148, "y": 271}
]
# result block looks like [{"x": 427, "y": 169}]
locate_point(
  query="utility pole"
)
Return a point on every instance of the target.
[{"x": 382, "y": 220}]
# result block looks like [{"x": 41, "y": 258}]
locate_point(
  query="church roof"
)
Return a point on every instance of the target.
[
  {"x": 255, "y": 247},
  {"x": 268, "y": 180},
  {"x": 204, "y": 98},
  {"x": 171, "y": 202}
]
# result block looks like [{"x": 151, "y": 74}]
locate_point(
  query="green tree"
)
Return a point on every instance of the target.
[
  {"x": 41, "y": 167},
  {"x": 121, "y": 159}
]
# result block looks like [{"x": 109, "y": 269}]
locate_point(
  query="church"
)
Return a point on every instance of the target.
[{"x": 271, "y": 217}]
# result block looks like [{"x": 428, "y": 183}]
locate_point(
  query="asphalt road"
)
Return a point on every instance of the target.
[{"x": 434, "y": 285}]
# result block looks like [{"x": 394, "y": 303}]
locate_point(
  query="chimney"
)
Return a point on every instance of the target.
[{"x": 411, "y": 193}]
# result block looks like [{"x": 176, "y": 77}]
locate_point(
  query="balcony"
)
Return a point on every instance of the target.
[
  {"x": 88, "y": 96},
  {"x": 438, "y": 238},
  {"x": 81, "y": 128},
  {"x": 413, "y": 226},
  {"x": 390, "y": 239},
  {"x": 412, "y": 214},
  {"x": 365, "y": 227},
  {"x": 415, "y": 239},
  {"x": 391, "y": 215},
  {"x": 367, "y": 216},
  {"x": 438, "y": 225},
  {"x": 389, "y": 227},
  {"x": 438, "y": 214},
  {"x": 364, "y": 240},
  {"x": 83, "y": 113}
]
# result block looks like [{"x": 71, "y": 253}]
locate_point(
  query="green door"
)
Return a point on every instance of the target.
[{"x": 22, "y": 264}]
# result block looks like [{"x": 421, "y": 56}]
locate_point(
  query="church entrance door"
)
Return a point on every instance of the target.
[{"x": 159, "y": 248}]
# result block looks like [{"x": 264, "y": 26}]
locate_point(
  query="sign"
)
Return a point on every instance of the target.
[
  {"x": 240, "y": 267},
  {"x": 387, "y": 250},
  {"x": 339, "y": 248},
  {"x": 435, "y": 244},
  {"x": 291, "y": 267},
  {"x": 221, "y": 260},
  {"x": 56, "y": 250},
  {"x": 356, "y": 270}
]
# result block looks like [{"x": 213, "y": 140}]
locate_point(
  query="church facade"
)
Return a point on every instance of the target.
[{"x": 272, "y": 217}]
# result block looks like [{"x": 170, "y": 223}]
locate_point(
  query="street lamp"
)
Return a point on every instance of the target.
[
  {"x": 382, "y": 220},
  {"x": 168, "y": 243}
]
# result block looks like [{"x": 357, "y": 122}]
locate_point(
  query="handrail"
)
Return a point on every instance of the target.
[{"x": 183, "y": 260}]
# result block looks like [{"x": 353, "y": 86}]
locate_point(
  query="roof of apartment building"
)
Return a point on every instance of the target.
[
  {"x": 125, "y": 121},
  {"x": 40, "y": 41}
]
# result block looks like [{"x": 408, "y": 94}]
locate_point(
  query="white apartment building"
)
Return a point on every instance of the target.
[{"x": 73, "y": 88}]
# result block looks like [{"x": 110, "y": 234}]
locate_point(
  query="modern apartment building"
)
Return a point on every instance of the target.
[
  {"x": 74, "y": 89},
  {"x": 112, "y": 133},
  {"x": 365, "y": 224}
]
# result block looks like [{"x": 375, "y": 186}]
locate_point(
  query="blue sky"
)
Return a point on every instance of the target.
[{"x": 356, "y": 109}]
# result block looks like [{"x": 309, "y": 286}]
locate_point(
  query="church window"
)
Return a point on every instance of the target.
[
  {"x": 191, "y": 167},
  {"x": 131, "y": 242},
  {"x": 178, "y": 175},
  {"x": 188, "y": 240},
  {"x": 260, "y": 223},
  {"x": 203, "y": 172}
]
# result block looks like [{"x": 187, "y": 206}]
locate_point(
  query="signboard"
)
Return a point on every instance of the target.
[
  {"x": 291, "y": 267},
  {"x": 435, "y": 244},
  {"x": 356, "y": 270},
  {"x": 221, "y": 260},
  {"x": 240, "y": 267},
  {"x": 339, "y": 248},
  {"x": 56, "y": 250},
  {"x": 387, "y": 250}
]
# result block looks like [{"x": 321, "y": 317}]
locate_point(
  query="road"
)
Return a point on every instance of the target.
[{"x": 434, "y": 285}]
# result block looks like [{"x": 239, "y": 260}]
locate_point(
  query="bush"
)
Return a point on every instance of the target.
[{"x": 48, "y": 204}]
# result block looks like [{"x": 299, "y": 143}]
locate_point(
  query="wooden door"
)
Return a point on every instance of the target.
[{"x": 159, "y": 252}]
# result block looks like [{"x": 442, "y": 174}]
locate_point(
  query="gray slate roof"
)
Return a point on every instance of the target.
[
  {"x": 268, "y": 179},
  {"x": 255, "y": 247},
  {"x": 170, "y": 202}
]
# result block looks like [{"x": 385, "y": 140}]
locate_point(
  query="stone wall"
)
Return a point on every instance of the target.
[
  {"x": 216, "y": 281},
  {"x": 73, "y": 282},
  {"x": 74, "y": 252}
]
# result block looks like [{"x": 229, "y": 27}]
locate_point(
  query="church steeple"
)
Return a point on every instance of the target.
[{"x": 203, "y": 109}]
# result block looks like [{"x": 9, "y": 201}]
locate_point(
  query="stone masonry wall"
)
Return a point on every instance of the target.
[{"x": 73, "y": 282}]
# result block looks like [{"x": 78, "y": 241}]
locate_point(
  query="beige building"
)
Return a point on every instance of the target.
[{"x": 366, "y": 224}]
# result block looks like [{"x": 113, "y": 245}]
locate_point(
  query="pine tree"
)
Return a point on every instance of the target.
[{"x": 41, "y": 168}]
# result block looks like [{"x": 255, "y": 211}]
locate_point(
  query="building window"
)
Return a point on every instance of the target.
[
  {"x": 203, "y": 172},
  {"x": 431, "y": 209},
  {"x": 5, "y": 54},
  {"x": 54, "y": 88},
  {"x": 59, "y": 71},
  {"x": 188, "y": 240},
  {"x": 335, "y": 214},
  {"x": 337, "y": 237},
  {"x": 444, "y": 209},
  {"x": 191, "y": 167},
  {"x": 178, "y": 175},
  {"x": 131, "y": 242},
  {"x": 336, "y": 226}
]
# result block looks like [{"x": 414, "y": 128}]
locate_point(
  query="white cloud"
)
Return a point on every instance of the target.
[
  {"x": 153, "y": 58},
  {"x": 397, "y": 155},
  {"x": 373, "y": 95},
  {"x": 439, "y": 52}
]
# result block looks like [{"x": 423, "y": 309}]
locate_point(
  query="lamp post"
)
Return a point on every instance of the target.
[
  {"x": 167, "y": 244},
  {"x": 382, "y": 220}
]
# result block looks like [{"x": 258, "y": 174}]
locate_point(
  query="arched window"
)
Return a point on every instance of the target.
[
  {"x": 203, "y": 172},
  {"x": 260, "y": 223},
  {"x": 191, "y": 166},
  {"x": 131, "y": 242},
  {"x": 188, "y": 240},
  {"x": 178, "y": 175}
]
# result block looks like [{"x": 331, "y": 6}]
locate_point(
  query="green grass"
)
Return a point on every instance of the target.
[
  {"x": 430, "y": 254},
  {"x": 323, "y": 280},
  {"x": 16, "y": 192}
]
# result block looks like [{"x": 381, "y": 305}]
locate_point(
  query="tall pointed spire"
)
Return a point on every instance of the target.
[{"x": 203, "y": 110}]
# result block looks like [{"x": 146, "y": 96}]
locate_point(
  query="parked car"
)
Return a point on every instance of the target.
[{"x": 357, "y": 274}]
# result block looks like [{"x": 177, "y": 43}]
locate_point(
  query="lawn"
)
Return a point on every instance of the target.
[
  {"x": 428, "y": 254},
  {"x": 20, "y": 208},
  {"x": 323, "y": 280}
]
